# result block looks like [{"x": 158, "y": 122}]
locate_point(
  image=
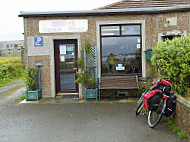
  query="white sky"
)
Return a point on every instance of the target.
[{"x": 11, "y": 26}]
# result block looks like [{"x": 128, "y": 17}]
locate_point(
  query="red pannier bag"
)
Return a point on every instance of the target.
[
  {"x": 147, "y": 99},
  {"x": 162, "y": 85}
]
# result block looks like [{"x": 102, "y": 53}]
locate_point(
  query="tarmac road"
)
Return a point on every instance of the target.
[{"x": 77, "y": 122}]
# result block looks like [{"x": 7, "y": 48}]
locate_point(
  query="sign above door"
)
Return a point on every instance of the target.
[{"x": 61, "y": 26}]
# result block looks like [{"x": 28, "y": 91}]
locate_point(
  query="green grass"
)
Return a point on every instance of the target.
[
  {"x": 175, "y": 129},
  {"x": 11, "y": 69},
  {"x": 4, "y": 82},
  {"x": 21, "y": 98}
]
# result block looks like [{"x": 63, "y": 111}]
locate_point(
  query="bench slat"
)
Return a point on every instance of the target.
[{"x": 118, "y": 82}]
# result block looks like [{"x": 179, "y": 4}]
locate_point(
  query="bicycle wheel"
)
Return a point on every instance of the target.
[
  {"x": 154, "y": 117},
  {"x": 140, "y": 105}
]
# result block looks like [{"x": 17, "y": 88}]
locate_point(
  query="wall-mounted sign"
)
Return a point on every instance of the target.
[
  {"x": 59, "y": 26},
  {"x": 38, "y": 41}
]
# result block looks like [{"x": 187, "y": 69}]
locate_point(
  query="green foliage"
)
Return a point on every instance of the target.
[
  {"x": 143, "y": 88},
  {"x": 172, "y": 58},
  {"x": 10, "y": 70},
  {"x": 21, "y": 98},
  {"x": 31, "y": 78},
  {"x": 175, "y": 129},
  {"x": 113, "y": 95},
  {"x": 84, "y": 77},
  {"x": 80, "y": 63},
  {"x": 87, "y": 46}
]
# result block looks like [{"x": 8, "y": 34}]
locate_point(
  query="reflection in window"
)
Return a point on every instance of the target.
[
  {"x": 131, "y": 30},
  {"x": 121, "y": 55},
  {"x": 110, "y": 30},
  {"x": 67, "y": 81},
  {"x": 67, "y": 56}
]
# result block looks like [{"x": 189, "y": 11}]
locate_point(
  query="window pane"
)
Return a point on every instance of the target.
[
  {"x": 67, "y": 56},
  {"x": 131, "y": 30},
  {"x": 67, "y": 81},
  {"x": 121, "y": 55},
  {"x": 110, "y": 30}
]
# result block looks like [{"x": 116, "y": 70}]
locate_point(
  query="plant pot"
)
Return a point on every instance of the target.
[
  {"x": 91, "y": 94},
  {"x": 33, "y": 95}
]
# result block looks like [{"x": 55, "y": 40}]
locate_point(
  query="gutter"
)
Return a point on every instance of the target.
[{"x": 131, "y": 11}]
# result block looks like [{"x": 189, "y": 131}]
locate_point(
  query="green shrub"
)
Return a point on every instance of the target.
[
  {"x": 10, "y": 71},
  {"x": 31, "y": 78},
  {"x": 172, "y": 59}
]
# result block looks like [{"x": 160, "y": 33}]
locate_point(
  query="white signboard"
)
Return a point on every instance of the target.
[{"x": 59, "y": 26}]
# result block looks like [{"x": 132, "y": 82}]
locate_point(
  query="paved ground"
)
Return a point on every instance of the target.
[
  {"x": 11, "y": 85},
  {"x": 76, "y": 121}
]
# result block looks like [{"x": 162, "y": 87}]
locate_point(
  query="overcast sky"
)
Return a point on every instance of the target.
[{"x": 11, "y": 26}]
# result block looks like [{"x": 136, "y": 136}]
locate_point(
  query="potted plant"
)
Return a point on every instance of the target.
[
  {"x": 33, "y": 91},
  {"x": 88, "y": 76}
]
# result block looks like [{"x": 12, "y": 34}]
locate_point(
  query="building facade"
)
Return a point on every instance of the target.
[
  {"x": 11, "y": 48},
  {"x": 121, "y": 36}
]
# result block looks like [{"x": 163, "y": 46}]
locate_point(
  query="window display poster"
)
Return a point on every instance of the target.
[
  {"x": 70, "y": 48},
  {"x": 120, "y": 67},
  {"x": 62, "y": 58},
  {"x": 62, "y": 49}
]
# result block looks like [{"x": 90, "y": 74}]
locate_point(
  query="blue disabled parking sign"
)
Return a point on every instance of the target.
[{"x": 38, "y": 41}]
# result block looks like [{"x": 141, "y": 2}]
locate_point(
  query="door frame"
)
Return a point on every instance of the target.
[{"x": 57, "y": 63}]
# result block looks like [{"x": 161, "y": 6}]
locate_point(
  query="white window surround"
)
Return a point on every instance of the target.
[
  {"x": 171, "y": 33},
  {"x": 99, "y": 23}
]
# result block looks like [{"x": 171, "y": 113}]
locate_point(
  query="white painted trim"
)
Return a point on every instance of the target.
[
  {"x": 142, "y": 22},
  {"x": 52, "y": 63},
  {"x": 171, "y": 33}
]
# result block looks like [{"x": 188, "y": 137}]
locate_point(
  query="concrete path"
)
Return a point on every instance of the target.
[
  {"x": 11, "y": 85},
  {"x": 77, "y": 122}
]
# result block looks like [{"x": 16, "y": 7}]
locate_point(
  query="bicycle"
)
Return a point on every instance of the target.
[
  {"x": 160, "y": 91},
  {"x": 154, "y": 116},
  {"x": 140, "y": 101}
]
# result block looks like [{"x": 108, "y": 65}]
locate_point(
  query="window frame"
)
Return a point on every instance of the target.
[{"x": 120, "y": 35}]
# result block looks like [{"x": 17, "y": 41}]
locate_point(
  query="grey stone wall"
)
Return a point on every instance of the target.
[{"x": 182, "y": 117}]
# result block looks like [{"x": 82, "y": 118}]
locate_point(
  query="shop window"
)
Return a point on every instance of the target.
[
  {"x": 121, "y": 54},
  {"x": 110, "y": 30},
  {"x": 131, "y": 30}
]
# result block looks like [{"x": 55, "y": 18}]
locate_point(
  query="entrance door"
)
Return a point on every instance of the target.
[{"x": 65, "y": 66}]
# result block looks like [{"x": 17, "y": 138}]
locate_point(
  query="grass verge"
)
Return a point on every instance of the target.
[
  {"x": 10, "y": 91},
  {"x": 4, "y": 82},
  {"x": 21, "y": 98},
  {"x": 175, "y": 129}
]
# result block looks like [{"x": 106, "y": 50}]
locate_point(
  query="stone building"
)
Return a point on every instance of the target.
[
  {"x": 11, "y": 48},
  {"x": 121, "y": 31}
]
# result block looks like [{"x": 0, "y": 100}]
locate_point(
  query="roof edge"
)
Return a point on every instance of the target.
[{"x": 106, "y": 11}]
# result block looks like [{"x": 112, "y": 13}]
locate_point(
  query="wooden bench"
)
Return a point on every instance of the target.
[{"x": 118, "y": 82}]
